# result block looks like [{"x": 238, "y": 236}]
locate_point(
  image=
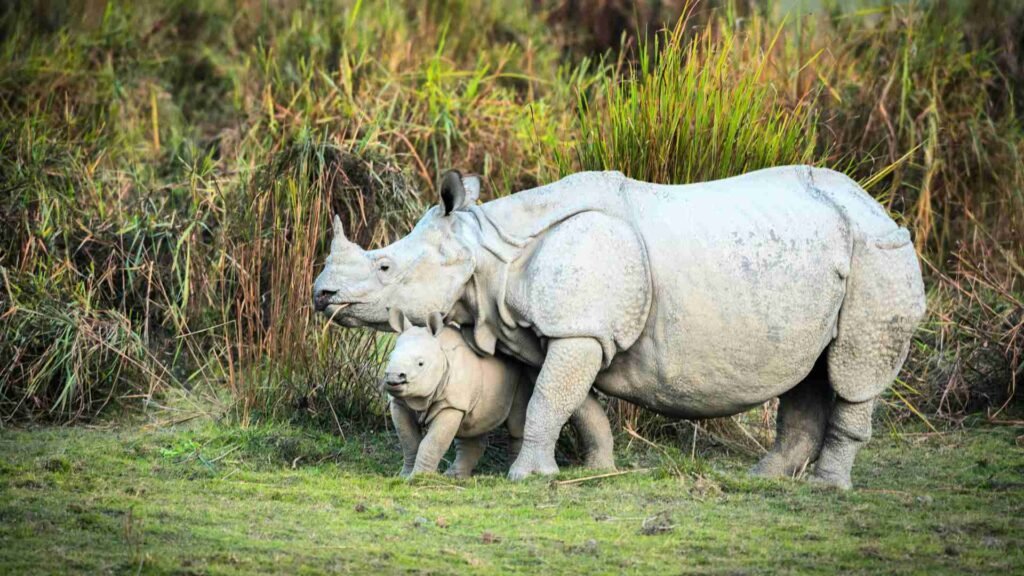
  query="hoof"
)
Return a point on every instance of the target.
[
  {"x": 772, "y": 465},
  {"x": 600, "y": 462},
  {"x": 456, "y": 473},
  {"x": 524, "y": 467},
  {"x": 831, "y": 480},
  {"x": 776, "y": 466}
]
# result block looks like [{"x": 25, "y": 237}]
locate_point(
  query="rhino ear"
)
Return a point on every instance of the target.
[
  {"x": 396, "y": 320},
  {"x": 471, "y": 182},
  {"x": 435, "y": 322},
  {"x": 458, "y": 191}
]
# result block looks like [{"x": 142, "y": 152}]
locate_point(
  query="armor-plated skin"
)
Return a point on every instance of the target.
[{"x": 695, "y": 301}]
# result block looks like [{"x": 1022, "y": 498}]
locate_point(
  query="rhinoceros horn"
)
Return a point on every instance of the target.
[{"x": 340, "y": 242}]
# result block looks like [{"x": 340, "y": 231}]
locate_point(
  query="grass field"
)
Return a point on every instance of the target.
[{"x": 213, "y": 499}]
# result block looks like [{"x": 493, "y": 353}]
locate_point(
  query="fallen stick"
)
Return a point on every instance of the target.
[{"x": 598, "y": 476}]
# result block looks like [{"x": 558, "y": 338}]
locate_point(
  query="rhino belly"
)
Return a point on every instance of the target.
[
  {"x": 748, "y": 285},
  {"x": 495, "y": 380}
]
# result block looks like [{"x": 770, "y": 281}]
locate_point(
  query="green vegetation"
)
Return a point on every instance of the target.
[
  {"x": 225, "y": 500},
  {"x": 169, "y": 169},
  {"x": 687, "y": 113}
]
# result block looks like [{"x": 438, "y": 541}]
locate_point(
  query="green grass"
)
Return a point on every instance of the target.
[
  {"x": 687, "y": 112},
  {"x": 209, "y": 499}
]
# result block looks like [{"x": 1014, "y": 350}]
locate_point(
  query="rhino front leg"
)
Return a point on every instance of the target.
[
  {"x": 565, "y": 379},
  {"x": 409, "y": 435},
  {"x": 437, "y": 440},
  {"x": 516, "y": 422}
]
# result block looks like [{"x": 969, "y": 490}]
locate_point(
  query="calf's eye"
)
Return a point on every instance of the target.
[{"x": 384, "y": 267}]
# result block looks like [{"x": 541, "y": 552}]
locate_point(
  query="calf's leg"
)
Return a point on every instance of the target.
[
  {"x": 409, "y": 435},
  {"x": 435, "y": 443},
  {"x": 468, "y": 452}
]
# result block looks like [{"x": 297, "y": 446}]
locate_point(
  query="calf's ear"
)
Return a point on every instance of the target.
[
  {"x": 458, "y": 191},
  {"x": 396, "y": 320},
  {"x": 435, "y": 322}
]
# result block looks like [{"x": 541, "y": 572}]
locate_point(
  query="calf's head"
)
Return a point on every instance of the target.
[
  {"x": 417, "y": 364},
  {"x": 421, "y": 273}
]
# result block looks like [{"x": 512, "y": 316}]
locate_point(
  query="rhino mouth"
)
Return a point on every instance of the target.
[
  {"x": 355, "y": 314},
  {"x": 332, "y": 309}
]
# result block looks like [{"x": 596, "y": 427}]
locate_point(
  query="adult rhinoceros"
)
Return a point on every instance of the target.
[{"x": 693, "y": 301}]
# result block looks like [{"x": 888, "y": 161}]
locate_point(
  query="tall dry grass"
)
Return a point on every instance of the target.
[
  {"x": 168, "y": 170},
  {"x": 906, "y": 97}
]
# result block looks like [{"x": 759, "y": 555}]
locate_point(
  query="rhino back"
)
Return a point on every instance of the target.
[{"x": 749, "y": 276}]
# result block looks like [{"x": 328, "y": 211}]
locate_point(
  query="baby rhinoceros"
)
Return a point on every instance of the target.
[{"x": 442, "y": 391}]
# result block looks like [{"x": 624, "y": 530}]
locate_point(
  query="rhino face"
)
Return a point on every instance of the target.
[
  {"x": 422, "y": 273},
  {"x": 416, "y": 364}
]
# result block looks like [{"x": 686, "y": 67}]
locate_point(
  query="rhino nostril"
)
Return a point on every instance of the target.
[
  {"x": 320, "y": 298},
  {"x": 402, "y": 376}
]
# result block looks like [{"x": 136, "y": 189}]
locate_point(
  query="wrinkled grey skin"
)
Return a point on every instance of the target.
[
  {"x": 443, "y": 391},
  {"x": 695, "y": 301}
]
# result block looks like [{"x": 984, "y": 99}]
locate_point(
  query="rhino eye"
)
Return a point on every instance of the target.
[
  {"x": 421, "y": 363},
  {"x": 384, "y": 267}
]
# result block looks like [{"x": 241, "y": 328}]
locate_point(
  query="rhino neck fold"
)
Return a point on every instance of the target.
[
  {"x": 484, "y": 301},
  {"x": 481, "y": 310}
]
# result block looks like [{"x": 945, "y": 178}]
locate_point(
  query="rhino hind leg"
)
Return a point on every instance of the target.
[
  {"x": 848, "y": 430},
  {"x": 800, "y": 427},
  {"x": 883, "y": 304},
  {"x": 595, "y": 433},
  {"x": 468, "y": 452}
]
